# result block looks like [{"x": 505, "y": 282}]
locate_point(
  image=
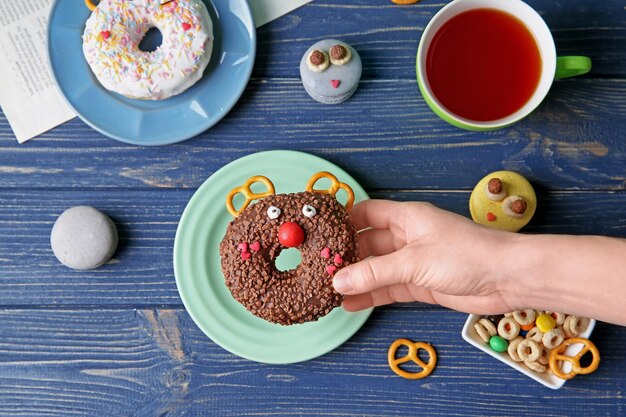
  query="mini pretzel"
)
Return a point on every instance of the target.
[
  {"x": 90, "y": 5},
  {"x": 557, "y": 354},
  {"x": 414, "y": 347},
  {"x": 248, "y": 193},
  {"x": 335, "y": 186}
]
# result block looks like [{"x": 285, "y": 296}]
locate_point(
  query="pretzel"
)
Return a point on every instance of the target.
[
  {"x": 335, "y": 186},
  {"x": 414, "y": 347},
  {"x": 248, "y": 193},
  {"x": 557, "y": 354},
  {"x": 90, "y": 5}
]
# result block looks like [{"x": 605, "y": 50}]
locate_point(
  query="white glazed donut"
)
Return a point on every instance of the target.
[{"x": 111, "y": 46}]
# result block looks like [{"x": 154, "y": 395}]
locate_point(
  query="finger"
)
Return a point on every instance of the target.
[
  {"x": 375, "y": 242},
  {"x": 474, "y": 304},
  {"x": 401, "y": 293},
  {"x": 379, "y": 214},
  {"x": 372, "y": 273}
]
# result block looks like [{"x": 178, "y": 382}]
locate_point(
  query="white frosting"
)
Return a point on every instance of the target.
[{"x": 111, "y": 46}]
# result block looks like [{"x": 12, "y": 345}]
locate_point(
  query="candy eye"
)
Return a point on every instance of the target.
[
  {"x": 318, "y": 61},
  {"x": 273, "y": 212},
  {"x": 309, "y": 211},
  {"x": 514, "y": 206},
  {"x": 340, "y": 55},
  {"x": 495, "y": 189}
]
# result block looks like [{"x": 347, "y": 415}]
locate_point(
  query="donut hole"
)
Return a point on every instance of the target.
[
  {"x": 151, "y": 40},
  {"x": 288, "y": 259}
]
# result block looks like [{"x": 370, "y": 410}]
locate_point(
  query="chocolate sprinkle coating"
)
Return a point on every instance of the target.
[
  {"x": 299, "y": 295},
  {"x": 317, "y": 58}
]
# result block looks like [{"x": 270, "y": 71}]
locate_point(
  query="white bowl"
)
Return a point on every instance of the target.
[{"x": 546, "y": 378}]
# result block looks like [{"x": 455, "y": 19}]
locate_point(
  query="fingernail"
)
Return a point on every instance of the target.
[{"x": 341, "y": 282}]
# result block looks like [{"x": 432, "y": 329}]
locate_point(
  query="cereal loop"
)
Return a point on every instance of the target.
[
  {"x": 534, "y": 334},
  {"x": 485, "y": 329},
  {"x": 576, "y": 325},
  {"x": 535, "y": 366},
  {"x": 508, "y": 328},
  {"x": 558, "y": 317},
  {"x": 482, "y": 332},
  {"x": 528, "y": 350},
  {"x": 545, "y": 355},
  {"x": 90, "y": 5},
  {"x": 524, "y": 317},
  {"x": 248, "y": 193},
  {"x": 558, "y": 355},
  {"x": 491, "y": 328},
  {"x": 335, "y": 186},
  {"x": 512, "y": 349},
  {"x": 553, "y": 338},
  {"x": 403, "y": 2},
  {"x": 414, "y": 347}
]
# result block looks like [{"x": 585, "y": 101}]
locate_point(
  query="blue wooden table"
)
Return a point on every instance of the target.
[{"x": 117, "y": 341}]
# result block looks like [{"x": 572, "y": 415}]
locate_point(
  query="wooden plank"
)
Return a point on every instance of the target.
[
  {"x": 386, "y": 35},
  {"x": 141, "y": 272},
  {"x": 385, "y": 136},
  {"x": 158, "y": 363}
]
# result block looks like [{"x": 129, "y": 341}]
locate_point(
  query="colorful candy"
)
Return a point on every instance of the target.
[
  {"x": 498, "y": 344},
  {"x": 545, "y": 323},
  {"x": 531, "y": 337}
]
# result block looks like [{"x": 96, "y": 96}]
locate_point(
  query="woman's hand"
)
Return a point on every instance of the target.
[{"x": 417, "y": 252}]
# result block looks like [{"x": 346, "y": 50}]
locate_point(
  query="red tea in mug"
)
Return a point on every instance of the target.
[{"x": 483, "y": 65}]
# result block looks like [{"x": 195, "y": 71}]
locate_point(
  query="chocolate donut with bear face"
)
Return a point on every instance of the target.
[{"x": 315, "y": 223}]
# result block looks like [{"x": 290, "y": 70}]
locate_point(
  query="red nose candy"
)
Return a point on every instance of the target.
[{"x": 290, "y": 234}]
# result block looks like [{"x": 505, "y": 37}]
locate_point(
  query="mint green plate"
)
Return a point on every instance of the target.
[{"x": 199, "y": 275}]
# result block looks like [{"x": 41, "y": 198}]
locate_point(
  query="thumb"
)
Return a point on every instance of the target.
[{"x": 373, "y": 273}]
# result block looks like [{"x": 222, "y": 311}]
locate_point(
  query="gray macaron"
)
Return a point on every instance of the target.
[
  {"x": 83, "y": 238},
  {"x": 331, "y": 84}
]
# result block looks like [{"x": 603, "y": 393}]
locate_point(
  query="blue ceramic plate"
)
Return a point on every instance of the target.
[{"x": 142, "y": 122}]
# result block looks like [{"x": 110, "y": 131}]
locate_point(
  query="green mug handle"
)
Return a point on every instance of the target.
[{"x": 571, "y": 66}]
